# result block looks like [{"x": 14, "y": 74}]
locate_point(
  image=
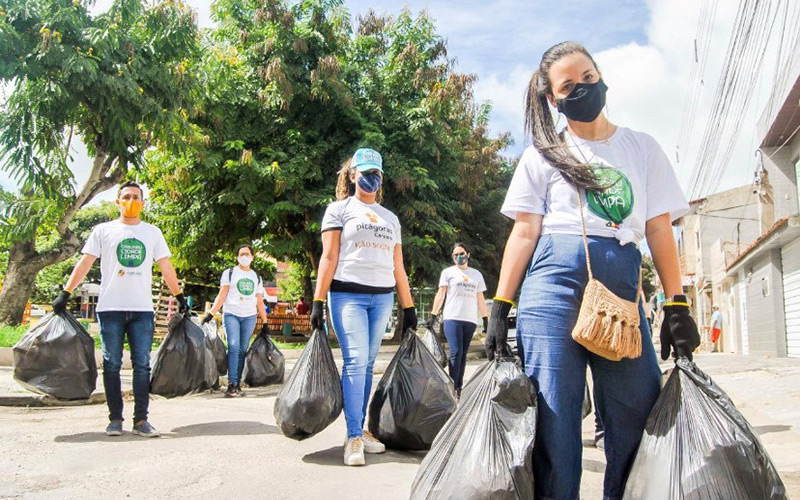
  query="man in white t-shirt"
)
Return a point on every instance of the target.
[{"x": 127, "y": 248}]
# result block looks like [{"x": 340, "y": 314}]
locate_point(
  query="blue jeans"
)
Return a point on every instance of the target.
[
  {"x": 459, "y": 335},
  {"x": 139, "y": 326},
  {"x": 359, "y": 320},
  {"x": 239, "y": 331},
  {"x": 625, "y": 391}
]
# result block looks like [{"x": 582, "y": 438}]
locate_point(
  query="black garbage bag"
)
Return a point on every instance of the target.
[
  {"x": 431, "y": 341},
  {"x": 217, "y": 346},
  {"x": 264, "y": 363},
  {"x": 183, "y": 364},
  {"x": 311, "y": 398},
  {"x": 484, "y": 450},
  {"x": 56, "y": 357},
  {"x": 413, "y": 400},
  {"x": 696, "y": 445}
]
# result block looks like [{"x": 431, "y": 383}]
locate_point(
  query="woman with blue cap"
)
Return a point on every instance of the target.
[{"x": 361, "y": 264}]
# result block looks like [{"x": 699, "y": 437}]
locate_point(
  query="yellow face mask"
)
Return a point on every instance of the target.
[{"x": 131, "y": 208}]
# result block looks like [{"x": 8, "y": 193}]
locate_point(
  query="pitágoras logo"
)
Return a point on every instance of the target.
[{"x": 372, "y": 217}]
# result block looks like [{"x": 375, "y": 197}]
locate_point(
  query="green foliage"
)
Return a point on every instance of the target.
[
  {"x": 648, "y": 276},
  {"x": 291, "y": 288},
  {"x": 10, "y": 335},
  {"x": 286, "y": 93},
  {"x": 117, "y": 81}
]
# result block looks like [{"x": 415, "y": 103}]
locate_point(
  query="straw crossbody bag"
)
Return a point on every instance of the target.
[{"x": 607, "y": 324}]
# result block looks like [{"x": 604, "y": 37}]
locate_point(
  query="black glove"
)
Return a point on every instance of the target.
[
  {"x": 208, "y": 317},
  {"x": 431, "y": 321},
  {"x": 678, "y": 331},
  {"x": 409, "y": 318},
  {"x": 60, "y": 304},
  {"x": 318, "y": 315},
  {"x": 497, "y": 330},
  {"x": 485, "y": 323},
  {"x": 182, "y": 306},
  {"x": 264, "y": 330}
]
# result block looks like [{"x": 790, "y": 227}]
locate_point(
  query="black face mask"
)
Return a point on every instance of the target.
[{"x": 585, "y": 102}]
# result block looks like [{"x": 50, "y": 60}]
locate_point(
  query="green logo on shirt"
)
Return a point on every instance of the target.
[
  {"x": 131, "y": 252},
  {"x": 246, "y": 286},
  {"x": 614, "y": 204}
]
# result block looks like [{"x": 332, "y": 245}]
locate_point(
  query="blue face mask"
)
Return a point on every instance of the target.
[{"x": 370, "y": 182}]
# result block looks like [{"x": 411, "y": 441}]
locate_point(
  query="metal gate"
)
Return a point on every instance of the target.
[{"x": 790, "y": 256}]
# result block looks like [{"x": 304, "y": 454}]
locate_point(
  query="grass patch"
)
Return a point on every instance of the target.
[
  {"x": 288, "y": 345},
  {"x": 10, "y": 335}
]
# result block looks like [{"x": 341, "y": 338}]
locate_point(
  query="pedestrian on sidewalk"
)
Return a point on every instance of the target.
[
  {"x": 361, "y": 265},
  {"x": 716, "y": 327},
  {"x": 461, "y": 290},
  {"x": 127, "y": 248},
  {"x": 631, "y": 192},
  {"x": 241, "y": 297}
]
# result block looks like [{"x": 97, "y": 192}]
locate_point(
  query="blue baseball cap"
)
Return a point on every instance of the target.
[{"x": 367, "y": 159}]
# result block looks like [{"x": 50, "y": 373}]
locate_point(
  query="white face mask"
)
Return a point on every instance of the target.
[{"x": 245, "y": 260}]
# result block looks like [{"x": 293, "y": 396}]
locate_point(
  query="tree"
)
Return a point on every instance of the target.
[
  {"x": 117, "y": 81},
  {"x": 275, "y": 122},
  {"x": 287, "y": 94}
]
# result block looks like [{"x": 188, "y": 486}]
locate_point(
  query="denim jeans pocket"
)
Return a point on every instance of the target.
[{"x": 543, "y": 248}]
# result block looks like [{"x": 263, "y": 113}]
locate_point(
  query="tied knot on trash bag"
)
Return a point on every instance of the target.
[
  {"x": 56, "y": 357},
  {"x": 484, "y": 450},
  {"x": 264, "y": 363},
  {"x": 217, "y": 346},
  {"x": 311, "y": 398},
  {"x": 413, "y": 400},
  {"x": 697, "y": 445},
  {"x": 183, "y": 363},
  {"x": 432, "y": 343}
]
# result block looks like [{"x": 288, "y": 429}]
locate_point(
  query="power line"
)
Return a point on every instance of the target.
[{"x": 754, "y": 24}]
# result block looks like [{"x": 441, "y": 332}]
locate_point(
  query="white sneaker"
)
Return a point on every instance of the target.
[
  {"x": 354, "y": 451},
  {"x": 372, "y": 445}
]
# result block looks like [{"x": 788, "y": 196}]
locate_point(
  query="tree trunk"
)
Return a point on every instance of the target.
[
  {"x": 18, "y": 283},
  {"x": 24, "y": 262}
]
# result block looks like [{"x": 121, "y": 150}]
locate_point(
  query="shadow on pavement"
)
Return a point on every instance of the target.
[
  {"x": 234, "y": 428},
  {"x": 333, "y": 456},
  {"x": 766, "y": 429}
]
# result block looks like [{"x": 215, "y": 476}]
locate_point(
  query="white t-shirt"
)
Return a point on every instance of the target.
[
  {"x": 645, "y": 186},
  {"x": 463, "y": 287},
  {"x": 369, "y": 236},
  {"x": 243, "y": 293},
  {"x": 126, "y": 254}
]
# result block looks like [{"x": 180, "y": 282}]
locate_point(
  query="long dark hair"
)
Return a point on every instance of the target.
[{"x": 539, "y": 121}]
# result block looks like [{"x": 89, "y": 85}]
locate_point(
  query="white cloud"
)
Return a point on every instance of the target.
[{"x": 648, "y": 83}]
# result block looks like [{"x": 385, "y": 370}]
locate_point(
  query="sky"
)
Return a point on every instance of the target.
[{"x": 644, "y": 49}]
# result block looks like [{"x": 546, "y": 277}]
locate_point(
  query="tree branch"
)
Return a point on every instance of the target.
[
  {"x": 99, "y": 180},
  {"x": 71, "y": 244}
]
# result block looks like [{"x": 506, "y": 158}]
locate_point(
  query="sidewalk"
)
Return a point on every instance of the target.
[{"x": 206, "y": 432}]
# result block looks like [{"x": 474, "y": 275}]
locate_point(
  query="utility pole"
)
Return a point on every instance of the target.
[{"x": 766, "y": 205}]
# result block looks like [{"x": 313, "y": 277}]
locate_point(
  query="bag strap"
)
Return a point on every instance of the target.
[
  {"x": 586, "y": 246},
  {"x": 583, "y": 232}
]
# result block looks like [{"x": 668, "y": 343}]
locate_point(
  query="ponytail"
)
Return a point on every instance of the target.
[{"x": 539, "y": 121}]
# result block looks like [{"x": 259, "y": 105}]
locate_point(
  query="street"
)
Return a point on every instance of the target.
[{"x": 214, "y": 447}]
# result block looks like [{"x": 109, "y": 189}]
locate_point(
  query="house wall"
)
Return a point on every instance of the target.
[
  {"x": 780, "y": 166},
  {"x": 765, "y": 322}
]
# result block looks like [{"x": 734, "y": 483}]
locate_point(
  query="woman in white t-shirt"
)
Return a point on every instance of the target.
[
  {"x": 361, "y": 264},
  {"x": 461, "y": 290},
  {"x": 241, "y": 297},
  {"x": 622, "y": 184}
]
